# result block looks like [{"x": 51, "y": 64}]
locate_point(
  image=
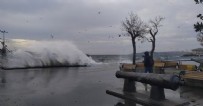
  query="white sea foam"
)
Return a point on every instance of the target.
[{"x": 30, "y": 53}]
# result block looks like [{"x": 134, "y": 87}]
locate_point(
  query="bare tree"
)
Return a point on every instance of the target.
[
  {"x": 198, "y": 1},
  {"x": 200, "y": 38},
  {"x": 199, "y": 25},
  {"x": 153, "y": 30},
  {"x": 199, "y": 29},
  {"x": 135, "y": 28}
]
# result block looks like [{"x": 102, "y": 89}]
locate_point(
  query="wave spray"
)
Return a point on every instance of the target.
[{"x": 31, "y": 54}]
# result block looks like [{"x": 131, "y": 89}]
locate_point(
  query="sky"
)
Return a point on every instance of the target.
[{"x": 94, "y": 25}]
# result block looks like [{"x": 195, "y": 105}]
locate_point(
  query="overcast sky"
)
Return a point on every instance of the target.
[{"x": 94, "y": 25}]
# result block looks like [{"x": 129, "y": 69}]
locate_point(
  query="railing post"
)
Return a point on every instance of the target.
[
  {"x": 129, "y": 85},
  {"x": 157, "y": 93}
]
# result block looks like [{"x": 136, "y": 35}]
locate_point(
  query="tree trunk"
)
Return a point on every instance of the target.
[
  {"x": 153, "y": 47},
  {"x": 134, "y": 51}
]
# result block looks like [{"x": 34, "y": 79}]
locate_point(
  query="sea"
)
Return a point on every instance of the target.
[{"x": 41, "y": 76}]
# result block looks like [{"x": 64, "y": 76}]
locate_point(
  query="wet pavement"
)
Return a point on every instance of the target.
[{"x": 82, "y": 86}]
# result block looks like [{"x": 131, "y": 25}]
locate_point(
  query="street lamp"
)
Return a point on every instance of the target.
[{"x": 3, "y": 42}]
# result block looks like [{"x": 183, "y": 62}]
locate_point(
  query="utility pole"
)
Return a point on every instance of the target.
[{"x": 3, "y": 42}]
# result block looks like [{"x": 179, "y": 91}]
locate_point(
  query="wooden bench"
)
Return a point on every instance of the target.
[
  {"x": 193, "y": 79},
  {"x": 140, "y": 65},
  {"x": 193, "y": 75},
  {"x": 170, "y": 63},
  {"x": 128, "y": 66},
  {"x": 187, "y": 67},
  {"x": 159, "y": 64}
]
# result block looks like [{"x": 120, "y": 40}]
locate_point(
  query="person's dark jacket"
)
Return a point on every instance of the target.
[{"x": 148, "y": 61}]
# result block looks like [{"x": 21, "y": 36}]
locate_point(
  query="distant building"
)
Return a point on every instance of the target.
[{"x": 197, "y": 51}]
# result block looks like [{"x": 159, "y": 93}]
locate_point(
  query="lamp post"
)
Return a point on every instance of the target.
[{"x": 3, "y": 42}]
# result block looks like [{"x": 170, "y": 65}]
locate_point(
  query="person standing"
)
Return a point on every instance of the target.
[{"x": 148, "y": 63}]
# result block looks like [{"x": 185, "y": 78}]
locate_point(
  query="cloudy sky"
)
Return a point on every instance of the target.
[{"x": 94, "y": 25}]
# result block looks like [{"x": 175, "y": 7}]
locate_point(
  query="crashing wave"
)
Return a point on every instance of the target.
[{"x": 38, "y": 54}]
